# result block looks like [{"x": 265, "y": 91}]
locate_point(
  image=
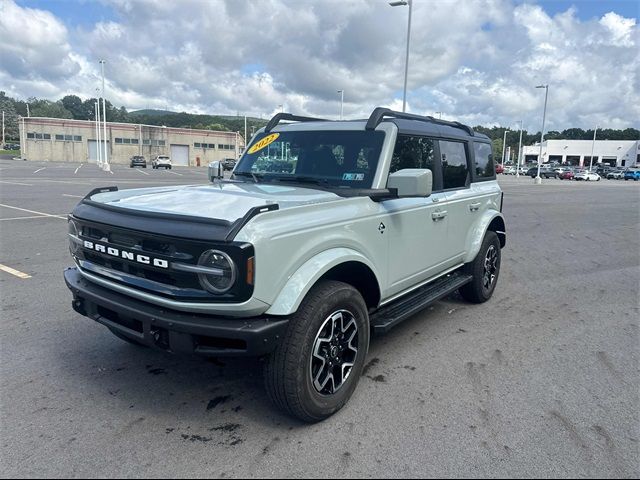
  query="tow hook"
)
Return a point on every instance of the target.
[{"x": 160, "y": 338}]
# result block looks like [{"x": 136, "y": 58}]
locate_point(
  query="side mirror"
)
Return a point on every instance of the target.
[
  {"x": 216, "y": 171},
  {"x": 412, "y": 182}
]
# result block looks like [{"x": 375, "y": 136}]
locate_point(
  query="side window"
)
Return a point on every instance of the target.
[
  {"x": 455, "y": 171},
  {"x": 412, "y": 152},
  {"x": 484, "y": 161}
]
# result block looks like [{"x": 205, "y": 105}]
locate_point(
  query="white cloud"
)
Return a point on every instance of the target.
[
  {"x": 34, "y": 44},
  {"x": 477, "y": 64}
]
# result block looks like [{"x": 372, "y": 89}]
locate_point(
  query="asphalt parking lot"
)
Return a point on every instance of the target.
[{"x": 542, "y": 381}]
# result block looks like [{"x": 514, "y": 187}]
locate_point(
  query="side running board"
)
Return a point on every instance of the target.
[{"x": 390, "y": 315}]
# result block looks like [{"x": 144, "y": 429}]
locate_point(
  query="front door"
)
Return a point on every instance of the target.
[{"x": 417, "y": 227}]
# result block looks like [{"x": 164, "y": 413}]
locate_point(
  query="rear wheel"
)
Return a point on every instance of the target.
[
  {"x": 485, "y": 269},
  {"x": 315, "y": 369}
]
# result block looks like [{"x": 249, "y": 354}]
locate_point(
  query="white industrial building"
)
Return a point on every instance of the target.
[
  {"x": 63, "y": 140},
  {"x": 621, "y": 153}
]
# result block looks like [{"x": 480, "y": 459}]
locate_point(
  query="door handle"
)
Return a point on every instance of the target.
[
  {"x": 474, "y": 206},
  {"x": 435, "y": 216}
]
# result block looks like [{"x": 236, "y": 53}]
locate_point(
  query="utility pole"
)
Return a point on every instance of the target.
[
  {"x": 3, "y": 142},
  {"x": 341, "y": 92},
  {"x": 245, "y": 131},
  {"x": 28, "y": 114}
]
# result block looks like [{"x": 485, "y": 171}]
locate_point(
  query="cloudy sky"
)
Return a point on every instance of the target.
[{"x": 475, "y": 61}]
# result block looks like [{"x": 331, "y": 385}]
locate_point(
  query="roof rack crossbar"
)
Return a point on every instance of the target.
[
  {"x": 288, "y": 116},
  {"x": 379, "y": 113}
]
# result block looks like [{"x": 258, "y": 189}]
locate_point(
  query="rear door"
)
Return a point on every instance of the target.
[{"x": 469, "y": 192}]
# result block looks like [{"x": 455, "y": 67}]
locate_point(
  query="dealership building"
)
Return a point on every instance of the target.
[
  {"x": 62, "y": 140},
  {"x": 621, "y": 153}
]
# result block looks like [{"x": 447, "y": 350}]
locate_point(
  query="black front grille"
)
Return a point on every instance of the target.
[{"x": 174, "y": 284}]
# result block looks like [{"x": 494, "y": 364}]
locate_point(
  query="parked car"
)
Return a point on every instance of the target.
[
  {"x": 228, "y": 163},
  {"x": 499, "y": 168},
  {"x": 587, "y": 176},
  {"x": 161, "y": 161},
  {"x": 510, "y": 171},
  {"x": 616, "y": 174},
  {"x": 566, "y": 175},
  {"x": 299, "y": 268},
  {"x": 632, "y": 174},
  {"x": 603, "y": 170},
  {"x": 548, "y": 172},
  {"x": 532, "y": 172},
  {"x": 138, "y": 161}
]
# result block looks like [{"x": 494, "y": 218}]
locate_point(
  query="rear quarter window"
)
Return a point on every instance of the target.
[{"x": 484, "y": 167}]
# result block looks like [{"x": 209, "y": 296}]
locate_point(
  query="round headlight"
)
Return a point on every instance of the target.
[
  {"x": 223, "y": 271},
  {"x": 74, "y": 237}
]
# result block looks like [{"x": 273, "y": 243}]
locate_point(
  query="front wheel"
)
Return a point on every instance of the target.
[
  {"x": 484, "y": 269},
  {"x": 316, "y": 367}
]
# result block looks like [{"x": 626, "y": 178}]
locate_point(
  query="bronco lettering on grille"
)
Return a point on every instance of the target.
[{"x": 134, "y": 257}]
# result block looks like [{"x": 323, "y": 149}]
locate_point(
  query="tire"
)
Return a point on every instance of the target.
[
  {"x": 289, "y": 371},
  {"x": 477, "y": 291},
  {"x": 127, "y": 339}
]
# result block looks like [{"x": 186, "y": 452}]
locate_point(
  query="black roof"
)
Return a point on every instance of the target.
[{"x": 406, "y": 123}]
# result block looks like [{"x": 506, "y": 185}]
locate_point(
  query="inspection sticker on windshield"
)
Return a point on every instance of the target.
[
  {"x": 264, "y": 142},
  {"x": 353, "y": 177}
]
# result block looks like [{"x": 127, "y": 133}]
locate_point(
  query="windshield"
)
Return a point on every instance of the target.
[{"x": 347, "y": 158}]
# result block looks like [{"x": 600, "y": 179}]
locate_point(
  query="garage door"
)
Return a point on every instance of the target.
[
  {"x": 93, "y": 150},
  {"x": 180, "y": 154}
]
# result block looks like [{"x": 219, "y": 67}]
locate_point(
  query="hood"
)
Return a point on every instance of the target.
[{"x": 224, "y": 201}]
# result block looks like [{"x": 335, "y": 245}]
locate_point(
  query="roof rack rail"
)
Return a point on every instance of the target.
[
  {"x": 288, "y": 116},
  {"x": 379, "y": 113}
]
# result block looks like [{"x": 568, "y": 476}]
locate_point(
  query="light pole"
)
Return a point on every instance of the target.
[
  {"x": 3, "y": 129},
  {"x": 538, "y": 180},
  {"x": 439, "y": 115},
  {"x": 406, "y": 62},
  {"x": 519, "y": 152},
  {"x": 593, "y": 145},
  {"x": 341, "y": 92},
  {"x": 98, "y": 144},
  {"x": 105, "y": 162},
  {"x": 504, "y": 144}
]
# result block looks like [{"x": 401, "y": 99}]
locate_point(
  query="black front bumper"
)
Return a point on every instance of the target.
[{"x": 171, "y": 330}]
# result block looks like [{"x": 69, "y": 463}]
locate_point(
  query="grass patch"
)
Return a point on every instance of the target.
[{"x": 10, "y": 152}]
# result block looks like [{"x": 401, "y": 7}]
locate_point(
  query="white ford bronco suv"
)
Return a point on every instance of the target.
[{"x": 326, "y": 232}]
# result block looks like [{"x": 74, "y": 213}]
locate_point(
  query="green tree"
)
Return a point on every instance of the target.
[
  {"x": 47, "y": 108},
  {"x": 74, "y": 104}
]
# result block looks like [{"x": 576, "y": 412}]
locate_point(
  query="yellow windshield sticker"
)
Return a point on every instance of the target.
[{"x": 263, "y": 142}]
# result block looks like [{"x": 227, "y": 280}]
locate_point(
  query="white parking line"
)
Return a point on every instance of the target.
[
  {"x": 74, "y": 196},
  {"x": 17, "y": 183},
  {"x": 15, "y": 272},
  {"x": 40, "y": 169},
  {"x": 22, "y": 218},
  {"x": 33, "y": 211},
  {"x": 78, "y": 168},
  {"x": 140, "y": 170},
  {"x": 169, "y": 171}
]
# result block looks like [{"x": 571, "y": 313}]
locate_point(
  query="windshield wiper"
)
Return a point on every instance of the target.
[
  {"x": 301, "y": 179},
  {"x": 246, "y": 174}
]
